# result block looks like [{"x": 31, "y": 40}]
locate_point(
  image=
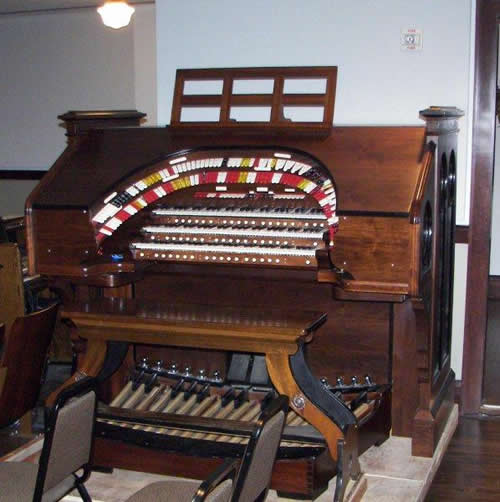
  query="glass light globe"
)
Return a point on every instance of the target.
[{"x": 116, "y": 14}]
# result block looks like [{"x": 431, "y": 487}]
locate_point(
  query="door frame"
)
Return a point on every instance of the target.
[{"x": 483, "y": 144}]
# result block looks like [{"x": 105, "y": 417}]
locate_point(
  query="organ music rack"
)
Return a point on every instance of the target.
[{"x": 353, "y": 222}]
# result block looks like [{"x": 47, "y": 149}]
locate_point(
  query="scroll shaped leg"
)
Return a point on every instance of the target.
[
  {"x": 100, "y": 360},
  {"x": 309, "y": 399}
]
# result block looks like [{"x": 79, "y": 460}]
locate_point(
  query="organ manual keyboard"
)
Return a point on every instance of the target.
[{"x": 205, "y": 266}]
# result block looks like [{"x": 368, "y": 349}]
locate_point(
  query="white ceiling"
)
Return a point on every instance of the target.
[{"x": 11, "y": 6}]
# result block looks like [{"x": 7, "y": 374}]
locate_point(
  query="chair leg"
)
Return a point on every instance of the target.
[
  {"x": 84, "y": 494},
  {"x": 262, "y": 496}
]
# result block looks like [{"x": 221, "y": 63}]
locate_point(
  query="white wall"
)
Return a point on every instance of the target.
[
  {"x": 378, "y": 83},
  {"x": 63, "y": 60},
  {"x": 144, "y": 25},
  {"x": 57, "y": 61},
  {"x": 458, "y": 322},
  {"x": 495, "y": 211}
]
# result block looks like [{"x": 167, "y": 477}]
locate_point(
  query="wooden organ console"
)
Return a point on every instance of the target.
[{"x": 207, "y": 265}]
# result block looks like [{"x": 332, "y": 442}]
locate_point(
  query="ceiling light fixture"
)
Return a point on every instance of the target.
[{"x": 116, "y": 13}]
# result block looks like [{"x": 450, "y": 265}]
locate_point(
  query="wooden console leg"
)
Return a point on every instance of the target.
[
  {"x": 339, "y": 443},
  {"x": 90, "y": 365}
]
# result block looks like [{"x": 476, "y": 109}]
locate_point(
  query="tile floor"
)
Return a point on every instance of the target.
[{"x": 391, "y": 474}]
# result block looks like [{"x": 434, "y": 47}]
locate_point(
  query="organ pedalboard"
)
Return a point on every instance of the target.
[{"x": 154, "y": 390}]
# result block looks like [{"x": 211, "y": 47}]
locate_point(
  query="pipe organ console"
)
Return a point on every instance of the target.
[{"x": 206, "y": 266}]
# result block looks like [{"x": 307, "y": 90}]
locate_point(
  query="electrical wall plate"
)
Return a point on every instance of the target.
[{"x": 411, "y": 39}]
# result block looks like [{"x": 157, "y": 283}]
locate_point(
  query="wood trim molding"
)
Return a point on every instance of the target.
[
  {"x": 462, "y": 234},
  {"x": 483, "y": 143},
  {"x": 21, "y": 174},
  {"x": 494, "y": 287}
]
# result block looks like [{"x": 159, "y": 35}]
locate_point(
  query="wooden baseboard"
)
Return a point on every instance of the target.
[{"x": 494, "y": 287}]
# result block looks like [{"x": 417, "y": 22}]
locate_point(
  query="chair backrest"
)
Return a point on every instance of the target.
[
  {"x": 254, "y": 476},
  {"x": 11, "y": 284},
  {"x": 221, "y": 493},
  {"x": 23, "y": 357},
  {"x": 68, "y": 441}
]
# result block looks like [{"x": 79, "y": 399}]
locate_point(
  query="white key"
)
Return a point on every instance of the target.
[
  {"x": 309, "y": 234},
  {"x": 218, "y": 249}
]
